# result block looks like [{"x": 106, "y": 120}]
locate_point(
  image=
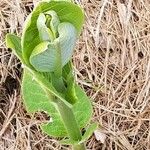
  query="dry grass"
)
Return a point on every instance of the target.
[{"x": 112, "y": 63}]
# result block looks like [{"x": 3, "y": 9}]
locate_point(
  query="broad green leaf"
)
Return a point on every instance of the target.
[
  {"x": 47, "y": 85},
  {"x": 89, "y": 132},
  {"x": 67, "y": 38},
  {"x": 14, "y": 42},
  {"x": 45, "y": 33},
  {"x": 43, "y": 57},
  {"x": 82, "y": 108},
  {"x": 66, "y": 11},
  {"x": 35, "y": 100}
]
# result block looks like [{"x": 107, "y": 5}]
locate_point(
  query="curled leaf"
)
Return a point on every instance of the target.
[
  {"x": 66, "y": 12},
  {"x": 66, "y": 40},
  {"x": 50, "y": 56},
  {"x": 45, "y": 33},
  {"x": 43, "y": 57},
  {"x": 53, "y": 22}
]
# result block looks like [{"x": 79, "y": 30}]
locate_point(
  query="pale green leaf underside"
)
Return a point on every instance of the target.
[
  {"x": 35, "y": 100},
  {"x": 43, "y": 57},
  {"x": 67, "y": 38}
]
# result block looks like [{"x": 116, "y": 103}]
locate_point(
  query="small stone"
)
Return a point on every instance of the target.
[{"x": 100, "y": 135}]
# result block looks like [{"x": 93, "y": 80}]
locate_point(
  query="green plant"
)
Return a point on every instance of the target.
[{"x": 48, "y": 83}]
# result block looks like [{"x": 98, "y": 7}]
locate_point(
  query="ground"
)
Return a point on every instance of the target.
[{"x": 112, "y": 64}]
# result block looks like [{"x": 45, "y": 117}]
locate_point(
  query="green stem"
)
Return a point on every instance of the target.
[
  {"x": 65, "y": 111},
  {"x": 70, "y": 123},
  {"x": 58, "y": 83},
  {"x": 58, "y": 70},
  {"x": 79, "y": 147}
]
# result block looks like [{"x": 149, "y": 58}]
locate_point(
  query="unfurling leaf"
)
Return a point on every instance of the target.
[
  {"x": 53, "y": 22},
  {"x": 43, "y": 57},
  {"x": 45, "y": 33},
  {"x": 67, "y": 12},
  {"x": 66, "y": 41},
  {"x": 52, "y": 56}
]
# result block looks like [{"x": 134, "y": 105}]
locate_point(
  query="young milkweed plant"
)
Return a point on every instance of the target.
[{"x": 45, "y": 49}]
